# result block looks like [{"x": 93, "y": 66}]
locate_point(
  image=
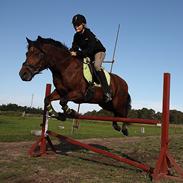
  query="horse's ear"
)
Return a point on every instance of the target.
[
  {"x": 28, "y": 40},
  {"x": 39, "y": 38}
]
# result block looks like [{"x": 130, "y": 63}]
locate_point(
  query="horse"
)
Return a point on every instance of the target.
[{"x": 69, "y": 82}]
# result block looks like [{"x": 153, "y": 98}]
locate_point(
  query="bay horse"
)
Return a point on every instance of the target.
[{"x": 69, "y": 82}]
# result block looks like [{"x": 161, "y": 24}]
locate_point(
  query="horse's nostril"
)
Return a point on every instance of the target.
[
  {"x": 20, "y": 74},
  {"x": 23, "y": 75}
]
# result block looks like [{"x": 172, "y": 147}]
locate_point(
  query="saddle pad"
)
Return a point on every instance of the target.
[{"x": 87, "y": 73}]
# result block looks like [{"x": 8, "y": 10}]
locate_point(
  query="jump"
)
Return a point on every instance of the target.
[{"x": 69, "y": 81}]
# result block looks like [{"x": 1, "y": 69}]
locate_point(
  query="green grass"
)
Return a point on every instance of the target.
[
  {"x": 76, "y": 164},
  {"x": 13, "y": 128}
]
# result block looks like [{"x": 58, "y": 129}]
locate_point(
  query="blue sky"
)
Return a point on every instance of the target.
[{"x": 150, "y": 43}]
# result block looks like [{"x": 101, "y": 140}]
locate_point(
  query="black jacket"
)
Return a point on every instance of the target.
[{"x": 86, "y": 44}]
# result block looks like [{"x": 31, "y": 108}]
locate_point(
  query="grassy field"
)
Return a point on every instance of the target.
[
  {"x": 75, "y": 165},
  {"x": 13, "y": 128}
]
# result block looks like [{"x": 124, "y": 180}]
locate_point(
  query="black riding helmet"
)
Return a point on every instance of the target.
[{"x": 78, "y": 19}]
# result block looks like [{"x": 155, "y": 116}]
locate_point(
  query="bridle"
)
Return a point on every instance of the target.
[{"x": 33, "y": 69}]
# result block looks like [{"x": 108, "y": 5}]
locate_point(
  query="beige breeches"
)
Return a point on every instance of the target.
[{"x": 98, "y": 59}]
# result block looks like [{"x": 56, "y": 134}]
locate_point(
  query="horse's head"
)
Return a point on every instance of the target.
[{"x": 35, "y": 60}]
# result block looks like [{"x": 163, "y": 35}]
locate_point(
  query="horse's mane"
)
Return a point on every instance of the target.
[{"x": 53, "y": 42}]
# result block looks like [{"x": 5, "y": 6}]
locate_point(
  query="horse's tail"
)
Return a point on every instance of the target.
[{"x": 128, "y": 104}]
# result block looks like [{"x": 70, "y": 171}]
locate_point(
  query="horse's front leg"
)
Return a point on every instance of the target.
[
  {"x": 52, "y": 97},
  {"x": 71, "y": 96},
  {"x": 69, "y": 113}
]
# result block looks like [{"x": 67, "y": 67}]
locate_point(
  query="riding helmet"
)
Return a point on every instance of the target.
[{"x": 78, "y": 20}]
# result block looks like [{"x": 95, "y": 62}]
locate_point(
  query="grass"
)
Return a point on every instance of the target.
[
  {"x": 76, "y": 165},
  {"x": 82, "y": 166},
  {"x": 13, "y": 128}
]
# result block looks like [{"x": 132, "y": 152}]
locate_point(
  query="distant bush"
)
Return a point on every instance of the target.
[
  {"x": 20, "y": 109},
  {"x": 176, "y": 117}
]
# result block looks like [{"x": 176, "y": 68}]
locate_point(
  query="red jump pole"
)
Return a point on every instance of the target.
[
  {"x": 42, "y": 140},
  {"x": 136, "y": 164},
  {"x": 119, "y": 119},
  {"x": 166, "y": 161},
  {"x": 45, "y": 123}
]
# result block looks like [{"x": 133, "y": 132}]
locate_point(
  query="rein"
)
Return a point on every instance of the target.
[{"x": 31, "y": 68}]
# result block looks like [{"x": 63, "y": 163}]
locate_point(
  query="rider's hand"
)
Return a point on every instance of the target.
[{"x": 73, "y": 53}]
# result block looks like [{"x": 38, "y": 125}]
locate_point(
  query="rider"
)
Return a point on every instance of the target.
[{"x": 85, "y": 44}]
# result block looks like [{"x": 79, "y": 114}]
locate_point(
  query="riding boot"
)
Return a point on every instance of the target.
[{"x": 105, "y": 86}]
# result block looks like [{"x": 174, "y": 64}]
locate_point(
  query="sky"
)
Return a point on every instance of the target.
[{"x": 150, "y": 43}]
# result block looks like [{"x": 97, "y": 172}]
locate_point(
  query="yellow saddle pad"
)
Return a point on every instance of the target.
[{"x": 87, "y": 73}]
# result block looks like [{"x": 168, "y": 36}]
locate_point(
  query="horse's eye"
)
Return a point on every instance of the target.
[
  {"x": 41, "y": 55},
  {"x": 31, "y": 49}
]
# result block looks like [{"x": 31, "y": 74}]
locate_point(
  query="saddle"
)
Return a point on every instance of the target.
[{"x": 90, "y": 74}]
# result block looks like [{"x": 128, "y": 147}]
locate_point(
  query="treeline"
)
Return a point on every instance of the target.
[
  {"x": 176, "y": 117},
  {"x": 17, "y": 108}
]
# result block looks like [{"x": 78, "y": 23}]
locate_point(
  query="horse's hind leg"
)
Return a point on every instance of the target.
[
  {"x": 120, "y": 110},
  {"x": 122, "y": 129}
]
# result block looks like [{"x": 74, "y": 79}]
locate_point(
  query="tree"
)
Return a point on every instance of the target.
[
  {"x": 176, "y": 117},
  {"x": 16, "y": 108}
]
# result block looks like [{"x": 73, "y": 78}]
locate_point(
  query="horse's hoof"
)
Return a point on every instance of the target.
[
  {"x": 61, "y": 116},
  {"x": 125, "y": 132},
  {"x": 116, "y": 127}
]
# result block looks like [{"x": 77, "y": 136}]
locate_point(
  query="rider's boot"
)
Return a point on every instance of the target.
[{"x": 105, "y": 86}]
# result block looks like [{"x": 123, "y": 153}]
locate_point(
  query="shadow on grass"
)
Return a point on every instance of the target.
[{"x": 68, "y": 149}]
